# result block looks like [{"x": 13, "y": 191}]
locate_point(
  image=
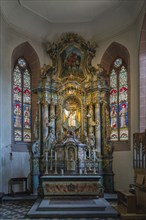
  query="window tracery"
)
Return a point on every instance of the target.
[
  {"x": 119, "y": 101},
  {"x": 21, "y": 102}
]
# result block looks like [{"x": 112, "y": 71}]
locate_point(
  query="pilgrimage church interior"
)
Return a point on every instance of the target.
[{"x": 73, "y": 109}]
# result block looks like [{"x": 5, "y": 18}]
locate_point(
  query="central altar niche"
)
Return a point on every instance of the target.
[
  {"x": 72, "y": 153},
  {"x": 72, "y": 114}
]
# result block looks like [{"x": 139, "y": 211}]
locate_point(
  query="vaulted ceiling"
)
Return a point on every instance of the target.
[{"x": 44, "y": 19}]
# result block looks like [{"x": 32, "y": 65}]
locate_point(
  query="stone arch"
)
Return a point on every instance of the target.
[
  {"x": 26, "y": 51},
  {"x": 112, "y": 52}
]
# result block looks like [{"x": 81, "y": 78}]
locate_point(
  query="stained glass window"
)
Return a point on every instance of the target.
[
  {"x": 22, "y": 102},
  {"x": 119, "y": 101}
]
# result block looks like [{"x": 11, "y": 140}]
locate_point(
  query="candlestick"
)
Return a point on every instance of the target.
[
  {"x": 46, "y": 163},
  {"x": 55, "y": 167},
  {"x": 94, "y": 170},
  {"x": 89, "y": 166},
  {"x": 85, "y": 171}
]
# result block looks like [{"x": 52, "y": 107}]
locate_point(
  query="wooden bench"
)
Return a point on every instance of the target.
[
  {"x": 1, "y": 197},
  {"x": 18, "y": 181},
  {"x": 128, "y": 200}
]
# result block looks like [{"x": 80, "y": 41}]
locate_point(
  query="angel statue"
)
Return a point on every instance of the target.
[
  {"x": 92, "y": 139},
  {"x": 50, "y": 140}
]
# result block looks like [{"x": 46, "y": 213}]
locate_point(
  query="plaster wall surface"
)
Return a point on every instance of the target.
[
  {"x": 19, "y": 165},
  {"x": 122, "y": 162}
]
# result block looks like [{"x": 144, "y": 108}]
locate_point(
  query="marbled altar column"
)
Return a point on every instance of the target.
[
  {"x": 41, "y": 126},
  {"x": 98, "y": 128},
  {"x": 58, "y": 121},
  {"x": 52, "y": 117},
  {"x": 35, "y": 166},
  {"x": 45, "y": 114},
  {"x": 90, "y": 113},
  {"x": 85, "y": 119},
  {"x": 44, "y": 95},
  {"x": 103, "y": 125},
  {"x": 82, "y": 122},
  {"x": 39, "y": 121}
]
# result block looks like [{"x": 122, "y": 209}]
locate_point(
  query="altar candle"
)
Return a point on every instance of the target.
[
  {"x": 55, "y": 155},
  {"x": 84, "y": 155},
  {"x": 140, "y": 151},
  {"x": 140, "y": 154},
  {"x": 46, "y": 155},
  {"x": 94, "y": 155},
  {"x": 66, "y": 156}
]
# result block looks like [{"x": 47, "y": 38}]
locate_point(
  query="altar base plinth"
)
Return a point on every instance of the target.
[{"x": 72, "y": 207}]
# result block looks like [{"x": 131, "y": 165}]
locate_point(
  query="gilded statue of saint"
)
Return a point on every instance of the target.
[{"x": 71, "y": 120}]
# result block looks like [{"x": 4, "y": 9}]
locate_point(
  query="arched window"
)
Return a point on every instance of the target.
[
  {"x": 119, "y": 101},
  {"x": 116, "y": 61},
  {"x": 21, "y": 102},
  {"x": 25, "y": 77}
]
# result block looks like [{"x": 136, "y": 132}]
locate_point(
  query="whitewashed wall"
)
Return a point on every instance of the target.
[
  {"x": 1, "y": 51},
  {"x": 123, "y": 165},
  {"x": 19, "y": 165}
]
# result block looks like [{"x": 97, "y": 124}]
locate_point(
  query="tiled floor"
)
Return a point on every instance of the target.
[
  {"x": 15, "y": 209},
  {"x": 18, "y": 209}
]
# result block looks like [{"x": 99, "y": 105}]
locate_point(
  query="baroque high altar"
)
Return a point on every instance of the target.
[{"x": 72, "y": 154}]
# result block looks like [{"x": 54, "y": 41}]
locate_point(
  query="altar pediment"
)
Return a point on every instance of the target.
[{"x": 71, "y": 57}]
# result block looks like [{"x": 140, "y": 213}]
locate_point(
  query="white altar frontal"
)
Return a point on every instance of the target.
[{"x": 88, "y": 185}]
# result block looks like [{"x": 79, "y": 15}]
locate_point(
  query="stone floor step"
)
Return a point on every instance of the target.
[
  {"x": 63, "y": 214},
  {"x": 41, "y": 209},
  {"x": 72, "y": 208}
]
